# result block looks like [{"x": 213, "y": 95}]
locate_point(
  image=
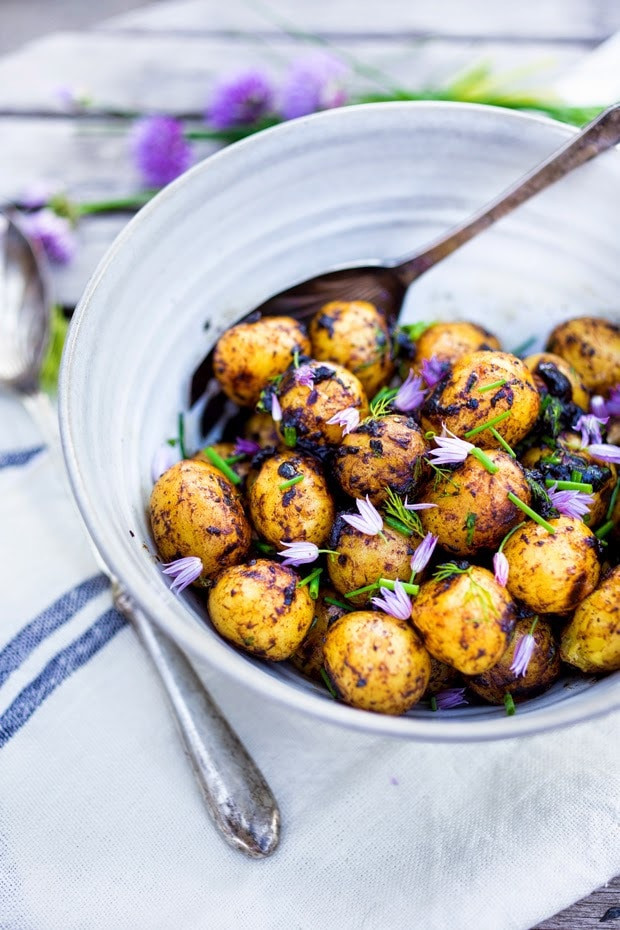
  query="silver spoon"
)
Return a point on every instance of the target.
[{"x": 237, "y": 796}]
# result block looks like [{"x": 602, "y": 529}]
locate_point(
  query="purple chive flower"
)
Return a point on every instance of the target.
[
  {"x": 598, "y": 406},
  {"x": 164, "y": 458},
  {"x": 245, "y": 446},
  {"x": 419, "y": 506},
  {"x": 184, "y": 571},
  {"x": 613, "y": 402},
  {"x": 304, "y": 375},
  {"x": 160, "y": 150},
  {"x": 38, "y": 194},
  {"x": 605, "y": 452},
  {"x": 240, "y": 100},
  {"x": 396, "y": 603},
  {"x": 313, "y": 83},
  {"x": 369, "y": 520},
  {"x": 500, "y": 568},
  {"x": 348, "y": 419},
  {"x": 410, "y": 394},
  {"x": 570, "y": 503},
  {"x": 523, "y": 654},
  {"x": 276, "y": 409},
  {"x": 53, "y": 233},
  {"x": 299, "y": 553},
  {"x": 432, "y": 370},
  {"x": 451, "y": 697},
  {"x": 421, "y": 557},
  {"x": 590, "y": 427},
  {"x": 450, "y": 449}
]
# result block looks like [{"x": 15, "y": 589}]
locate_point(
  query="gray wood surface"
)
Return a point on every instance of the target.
[{"x": 164, "y": 57}]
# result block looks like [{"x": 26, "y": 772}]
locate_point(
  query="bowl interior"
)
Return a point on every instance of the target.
[{"x": 345, "y": 187}]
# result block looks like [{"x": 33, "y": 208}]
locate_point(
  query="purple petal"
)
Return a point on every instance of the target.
[
  {"x": 276, "y": 409},
  {"x": 240, "y": 100},
  {"x": 397, "y": 603},
  {"x": 369, "y": 520},
  {"x": 421, "y": 557},
  {"x": 598, "y": 406},
  {"x": 590, "y": 427},
  {"x": 570, "y": 503},
  {"x": 411, "y": 393},
  {"x": 160, "y": 150},
  {"x": 246, "y": 446},
  {"x": 605, "y": 452},
  {"x": 184, "y": 571},
  {"x": 433, "y": 370},
  {"x": 450, "y": 449},
  {"x": 523, "y": 654},
  {"x": 304, "y": 375},
  {"x": 298, "y": 553},
  {"x": 613, "y": 402},
  {"x": 501, "y": 568},
  {"x": 53, "y": 233},
  {"x": 314, "y": 83},
  {"x": 38, "y": 194},
  {"x": 348, "y": 419},
  {"x": 420, "y": 506},
  {"x": 451, "y": 697},
  {"x": 164, "y": 458}
]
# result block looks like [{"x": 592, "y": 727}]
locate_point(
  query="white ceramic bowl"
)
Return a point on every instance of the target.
[{"x": 339, "y": 188}]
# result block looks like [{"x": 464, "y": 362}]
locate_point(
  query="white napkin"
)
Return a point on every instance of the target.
[{"x": 102, "y": 826}]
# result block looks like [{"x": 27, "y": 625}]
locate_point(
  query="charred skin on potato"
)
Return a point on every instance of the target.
[
  {"x": 591, "y": 640},
  {"x": 592, "y": 347}
]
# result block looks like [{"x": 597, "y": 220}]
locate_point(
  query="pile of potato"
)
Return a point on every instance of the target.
[{"x": 307, "y": 471}]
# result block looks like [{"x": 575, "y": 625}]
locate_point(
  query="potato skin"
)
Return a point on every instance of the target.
[
  {"x": 248, "y": 355},
  {"x": 304, "y": 511},
  {"x": 260, "y": 608},
  {"x": 354, "y": 334},
  {"x": 195, "y": 510},
  {"x": 383, "y": 452},
  {"x": 591, "y": 641},
  {"x": 549, "y": 572},
  {"x": 449, "y": 341},
  {"x": 460, "y": 624},
  {"x": 547, "y": 360},
  {"x": 460, "y": 404},
  {"x": 376, "y": 662},
  {"x": 479, "y": 494},
  {"x": 308, "y": 658},
  {"x": 592, "y": 346},
  {"x": 543, "y": 669},
  {"x": 306, "y": 409}
]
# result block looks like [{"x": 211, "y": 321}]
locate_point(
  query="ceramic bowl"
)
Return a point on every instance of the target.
[{"x": 345, "y": 187}]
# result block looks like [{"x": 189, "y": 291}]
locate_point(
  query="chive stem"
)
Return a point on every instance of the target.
[
  {"x": 365, "y": 590},
  {"x": 328, "y": 684},
  {"x": 390, "y": 585},
  {"x": 290, "y": 437},
  {"x": 500, "y": 439},
  {"x": 309, "y": 578},
  {"x": 612, "y": 501},
  {"x": 433, "y": 703},
  {"x": 336, "y": 603},
  {"x": 490, "y": 466},
  {"x": 181, "y": 424},
  {"x": 524, "y": 346},
  {"x": 397, "y": 525},
  {"x": 604, "y": 530},
  {"x": 492, "y": 422},
  {"x": 530, "y": 513},
  {"x": 569, "y": 485},
  {"x": 220, "y": 463},
  {"x": 509, "y": 704},
  {"x": 494, "y": 384},
  {"x": 233, "y": 459},
  {"x": 508, "y": 535},
  {"x": 290, "y": 482}
]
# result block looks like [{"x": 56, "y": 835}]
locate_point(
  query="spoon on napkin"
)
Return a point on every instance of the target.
[{"x": 237, "y": 795}]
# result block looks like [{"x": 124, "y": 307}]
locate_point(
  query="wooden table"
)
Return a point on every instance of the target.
[{"x": 165, "y": 58}]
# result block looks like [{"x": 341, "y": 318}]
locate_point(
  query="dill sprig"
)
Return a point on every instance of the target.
[
  {"x": 394, "y": 507},
  {"x": 381, "y": 404}
]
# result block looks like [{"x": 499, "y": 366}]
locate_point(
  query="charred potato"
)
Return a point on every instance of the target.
[
  {"x": 385, "y": 452},
  {"x": 465, "y": 618},
  {"x": 592, "y": 346},
  {"x": 354, "y": 334},
  {"x": 555, "y": 376},
  {"x": 591, "y": 641},
  {"x": 309, "y": 658},
  {"x": 376, "y": 662},
  {"x": 552, "y": 572},
  {"x": 307, "y": 408},
  {"x": 449, "y": 341},
  {"x": 249, "y": 355},
  {"x": 260, "y": 607},
  {"x": 301, "y": 511}
]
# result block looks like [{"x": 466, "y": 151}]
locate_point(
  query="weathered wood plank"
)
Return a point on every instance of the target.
[{"x": 588, "y": 913}]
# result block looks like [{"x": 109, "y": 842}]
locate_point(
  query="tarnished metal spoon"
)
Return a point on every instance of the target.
[{"x": 236, "y": 793}]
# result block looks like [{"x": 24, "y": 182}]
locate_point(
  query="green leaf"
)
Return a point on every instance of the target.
[{"x": 59, "y": 325}]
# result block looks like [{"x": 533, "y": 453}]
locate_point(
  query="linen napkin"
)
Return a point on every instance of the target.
[{"x": 102, "y": 825}]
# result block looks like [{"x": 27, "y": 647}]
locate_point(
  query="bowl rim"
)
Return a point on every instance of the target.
[{"x": 163, "y": 611}]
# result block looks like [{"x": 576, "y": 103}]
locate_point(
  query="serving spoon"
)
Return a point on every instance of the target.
[{"x": 238, "y": 798}]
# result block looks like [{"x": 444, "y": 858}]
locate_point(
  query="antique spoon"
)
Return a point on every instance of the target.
[{"x": 236, "y": 793}]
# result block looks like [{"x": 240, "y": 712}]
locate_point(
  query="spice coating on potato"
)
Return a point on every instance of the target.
[
  {"x": 552, "y": 572},
  {"x": 465, "y": 619},
  {"x": 303, "y": 511},
  {"x": 354, "y": 334},
  {"x": 385, "y": 452},
  {"x": 592, "y": 346},
  {"x": 591, "y": 641},
  {"x": 376, "y": 662},
  {"x": 543, "y": 668},
  {"x": 449, "y": 341},
  {"x": 248, "y": 355},
  {"x": 196, "y": 511},
  {"x": 363, "y": 559},
  {"x": 554, "y": 374},
  {"x": 307, "y": 408},
  {"x": 308, "y": 658},
  {"x": 472, "y": 507},
  {"x": 459, "y": 403},
  {"x": 260, "y": 607}
]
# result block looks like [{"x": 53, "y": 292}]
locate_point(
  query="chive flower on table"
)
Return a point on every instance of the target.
[
  {"x": 524, "y": 652},
  {"x": 276, "y": 409},
  {"x": 348, "y": 419},
  {"x": 410, "y": 394},
  {"x": 184, "y": 572},
  {"x": 53, "y": 233},
  {"x": 240, "y": 100},
  {"x": 605, "y": 452},
  {"x": 160, "y": 150},
  {"x": 369, "y": 520},
  {"x": 590, "y": 428},
  {"x": 451, "y": 697},
  {"x": 570, "y": 503},
  {"x": 304, "y": 375},
  {"x": 165, "y": 457},
  {"x": 432, "y": 370},
  {"x": 422, "y": 556},
  {"x": 500, "y": 568},
  {"x": 396, "y": 603},
  {"x": 245, "y": 446},
  {"x": 313, "y": 83}
]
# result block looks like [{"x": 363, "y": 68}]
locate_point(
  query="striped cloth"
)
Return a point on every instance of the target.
[{"x": 102, "y": 826}]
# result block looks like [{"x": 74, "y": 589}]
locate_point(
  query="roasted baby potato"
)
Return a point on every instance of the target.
[
  {"x": 260, "y": 607},
  {"x": 196, "y": 511},
  {"x": 542, "y": 670},
  {"x": 302, "y": 511},
  {"x": 592, "y": 346},
  {"x": 552, "y": 572},
  {"x": 554, "y": 375},
  {"x": 309, "y": 658},
  {"x": 464, "y": 617},
  {"x": 449, "y": 341},
  {"x": 249, "y": 355},
  {"x": 306, "y": 408},
  {"x": 354, "y": 334},
  {"x": 467, "y": 400},
  {"x": 384, "y": 452},
  {"x": 376, "y": 662},
  {"x": 591, "y": 641},
  {"x": 472, "y": 510}
]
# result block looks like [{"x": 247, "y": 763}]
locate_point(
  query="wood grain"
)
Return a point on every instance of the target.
[{"x": 589, "y": 912}]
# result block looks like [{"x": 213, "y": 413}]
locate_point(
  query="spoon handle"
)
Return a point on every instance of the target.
[{"x": 601, "y": 134}]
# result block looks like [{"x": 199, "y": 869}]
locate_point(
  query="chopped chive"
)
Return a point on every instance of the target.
[
  {"x": 531, "y": 513},
  {"x": 290, "y": 436},
  {"x": 296, "y": 358},
  {"x": 264, "y": 547},
  {"x": 309, "y": 578},
  {"x": 290, "y": 482},
  {"x": 524, "y": 346},
  {"x": 433, "y": 703},
  {"x": 328, "y": 683},
  {"x": 604, "y": 530},
  {"x": 335, "y": 603},
  {"x": 470, "y": 523},
  {"x": 365, "y": 590},
  {"x": 315, "y": 620},
  {"x": 220, "y": 463},
  {"x": 612, "y": 501},
  {"x": 570, "y": 485},
  {"x": 576, "y": 475},
  {"x": 390, "y": 585},
  {"x": 233, "y": 459},
  {"x": 313, "y": 587},
  {"x": 492, "y": 422},
  {"x": 509, "y": 534},
  {"x": 181, "y": 423},
  {"x": 509, "y": 704},
  {"x": 490, "y": 466},
  {"x": 397, "y": 525},
  {"x": 551, "y": 460},
  {"x": 415, "y": 330},
  {"x": 430, "y": 434},
  {"x": 494, "y": 384},
  {"x": 500, "y": 439}
]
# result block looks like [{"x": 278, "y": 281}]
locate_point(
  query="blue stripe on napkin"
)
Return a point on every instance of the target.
[
  {"x": 29, "y": 637},
  {"x": 57, "y": 670},
  {"x": 19, "y": 456}
]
